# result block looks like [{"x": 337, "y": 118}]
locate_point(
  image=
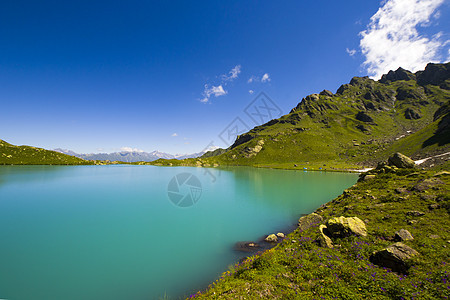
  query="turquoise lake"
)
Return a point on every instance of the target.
[{"x": 114, "y": 232}]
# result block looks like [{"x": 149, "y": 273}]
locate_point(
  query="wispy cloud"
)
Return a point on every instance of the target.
[
  {"x": 174, "y": 134},
  {"x": 233, "y": 74},
  {"x": 391, "y": 39},
  {"x": 251, "y": 92},
  {"x": 265, "y": 78},
  {"x": 219, "y": 90},
  {"x": 351, "y": 52},
  {"x": 215, "y": 91},
  {"x": 253, "y": 78},
  {"x": 129, "y": 149}
]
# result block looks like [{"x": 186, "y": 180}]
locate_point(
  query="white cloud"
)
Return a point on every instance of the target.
[
  {"x": 391, "y": 39},
  {"x": 251, "y": 92},
  {"x": 174, "y": 134},
  {"x": 215, "y": 91},
  {"x": 129, "y": 149},
  {"x": 351, "y": 52},
  {"x": 251, "y": 79},
  {"x": 233, "y": 74},
  {"x": 265, "y": 78}
]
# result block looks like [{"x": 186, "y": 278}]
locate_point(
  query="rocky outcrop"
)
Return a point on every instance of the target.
[
  {"x": 401, "y": 161},
  {"x": 252, "y": 151},
  {"x": 394, "y": 257},
  {"x": 412, "y": 114},
  {"x": 308, "y": 221},
  {"x": 364, "y": 117},
  {"x": 344, "y": 227},
  {"x": 400, "y": 74},
  {"x": 326, "y": 93},
  {"x": 435, "y": 74}
]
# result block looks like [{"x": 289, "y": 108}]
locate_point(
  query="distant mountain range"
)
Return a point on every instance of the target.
[{"x": 129, "y": 156}]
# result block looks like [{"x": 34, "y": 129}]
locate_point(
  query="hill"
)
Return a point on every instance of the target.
[
  {"x": 27, "y": 155},
  {"x": 363, "y": 122}
]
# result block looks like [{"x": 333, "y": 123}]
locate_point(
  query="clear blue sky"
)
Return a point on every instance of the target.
[{"x": 96, "y": 76}]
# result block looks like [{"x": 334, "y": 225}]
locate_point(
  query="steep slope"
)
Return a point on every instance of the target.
[
  {"x": 27, "y": 155},
  {"x": 362, "y": 123}
]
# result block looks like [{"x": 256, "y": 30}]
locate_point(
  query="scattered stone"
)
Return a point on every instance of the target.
[
  {"x": 368, "y": 177},
  {"x": 343, "y": 227},
  {"x": 415, "y": 213},
  {"x": 394, "y": 257},
  {"x": 308, "y": 221},
  {"x": 246, "y": 246},
  {"x": 323, "y": 239},
  {"x": 427, "y": 197},
  {"x": 442, "y": 174},
  {"x": 271, "y": 238},
  {"x": 403, "y": 235},
  {"x": 426, "y": 184},
  {"x": 387, "y": 217},
  {"x": 280, "y": 235},
  {"x": 434, "y": 236},
  {"x": 434, "y": 206},
  {"x": 366, "y": 221},
  {"x": 400, "y": 190},
  {"x": 442, "y": 198},
  {"x": 401, "y": 161},
  {"x": 411, "y": 222},
  {"x": 293, "y": 241}
]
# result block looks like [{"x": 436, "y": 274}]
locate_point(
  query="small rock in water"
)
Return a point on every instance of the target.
[{"x": 271, "y": 238}]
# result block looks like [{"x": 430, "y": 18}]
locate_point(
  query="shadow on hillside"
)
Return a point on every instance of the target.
[{"x": 442, "y": 134}]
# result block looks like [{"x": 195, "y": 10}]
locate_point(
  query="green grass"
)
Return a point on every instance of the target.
[
  {"x": 298, "y": 268},
  {"x": 26, "y": 155}
]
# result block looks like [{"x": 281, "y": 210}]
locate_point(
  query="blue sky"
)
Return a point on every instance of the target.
[{"x": 100, "y": 76}]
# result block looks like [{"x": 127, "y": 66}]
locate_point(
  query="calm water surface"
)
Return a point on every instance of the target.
[{"x": 111, "y": 232}]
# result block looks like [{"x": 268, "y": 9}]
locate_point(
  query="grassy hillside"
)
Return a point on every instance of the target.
[
  {"x": 299, "y": 268},
  {"x": 26, "y": 155},
  {"x": 362, "y": 123}
]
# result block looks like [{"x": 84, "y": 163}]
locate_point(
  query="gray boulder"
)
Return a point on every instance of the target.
[
  {"x": 308, "y": 221},
  {"x": 401, "y": 161},
  {"x": 323, "y": 239},
  {"x": 343, "y": 227},
  {"x": 272, "y": 238},
  {"x": 394, "y": 257},
  {"x": 403, "y": 235}
]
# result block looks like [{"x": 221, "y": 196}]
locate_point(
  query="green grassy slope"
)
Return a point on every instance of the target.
[
  {"x": 298, "y": 268},
  {"x": 362, "y": 123},
  {"x": 26, "y": 155}
]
